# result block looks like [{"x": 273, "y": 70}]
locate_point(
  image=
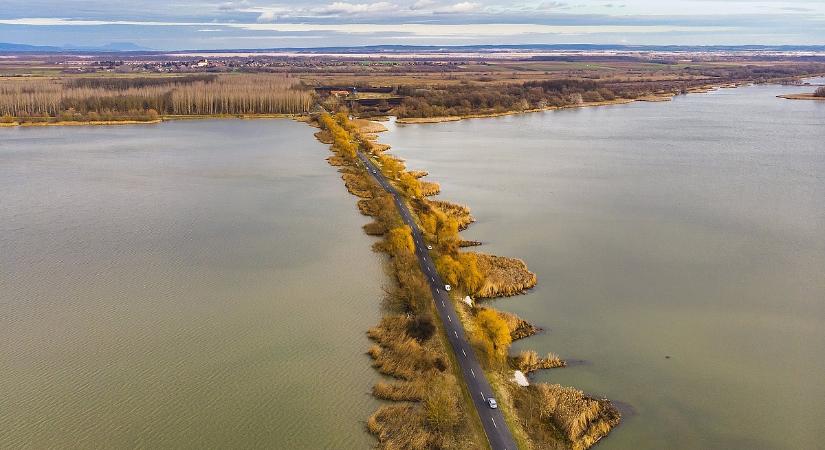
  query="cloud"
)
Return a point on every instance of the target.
[
  {"x": 421, "y": 4},
  {"x": 267, "y": 16},
  {"x": 233, "y": 5},
  {"x": 421, "y": 29},
  {"x": 344, "y": 8},
  {"x": 463, "y": 7}
]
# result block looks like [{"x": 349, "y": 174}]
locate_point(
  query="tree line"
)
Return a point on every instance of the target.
[{"x": 44, "y": 99}]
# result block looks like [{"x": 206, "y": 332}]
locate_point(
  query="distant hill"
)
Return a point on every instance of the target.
[
  {"x": 6, "y": 47},
  {"x": 118, "y": 47}
]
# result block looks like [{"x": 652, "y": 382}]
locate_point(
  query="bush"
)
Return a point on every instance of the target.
[{"x": 820, "y": 92}]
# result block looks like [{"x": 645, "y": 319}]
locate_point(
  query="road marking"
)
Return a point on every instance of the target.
[
  {"x": 482, "y": 393},
  {"x": 464, "y": 353},
  {"x": 450, "y": 319},
  {"x": 455, "y": 333},
  {"x": 436, "y": 289},
  {"x": 432, "y": 279},
  {"x": 442, "y": 303},
  {"x": 474, "y": 375},
  {"x": 494, "y": 422}
]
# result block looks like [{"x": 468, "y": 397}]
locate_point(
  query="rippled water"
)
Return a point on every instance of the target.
[
  {"x": 693, "y": 229},
  {"x": 191, "y": 284}
]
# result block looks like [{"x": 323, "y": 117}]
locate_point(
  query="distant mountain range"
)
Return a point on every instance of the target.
[
  {"x": 111, "y": 47},
  {"x": 117, "y": 47}
]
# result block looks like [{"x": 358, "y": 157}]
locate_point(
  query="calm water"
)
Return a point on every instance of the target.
[
  {"x": 694, "y": 229},
  {"x": 192, "y": 284}
]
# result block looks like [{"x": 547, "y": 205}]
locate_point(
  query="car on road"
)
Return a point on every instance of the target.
[
  {"x": 429, "y": 247},
  {"x": 491, "y": 402},
  {"x": 447, "y": 287},
  {"x": 374, "y": 171}
]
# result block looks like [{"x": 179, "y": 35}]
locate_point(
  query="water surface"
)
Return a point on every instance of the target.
[
  {"x": 693, "y": 229},
  {"x": 185, "y": 285}
]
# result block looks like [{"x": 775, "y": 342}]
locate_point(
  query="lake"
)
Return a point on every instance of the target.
[
  {"x": 184, "y": 285},
  {"x": 680, "y": 252}
]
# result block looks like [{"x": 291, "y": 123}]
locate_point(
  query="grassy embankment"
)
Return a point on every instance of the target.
[
  {"x": 425, "y": 408},
  {"x": 422, "y": 365}
]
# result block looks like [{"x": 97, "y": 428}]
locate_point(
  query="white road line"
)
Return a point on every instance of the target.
[
  {"x": 436, "y": 289},
  {"x": 450, "y": 319},
  {"x": 474, "y": 375},
  {"x": 442, "y": 303},
  {"x": 432, "y": 279},
  {"x": 494, "y": 422},
  {"x": 482, "y": 393},
  {"x": 455, "y": 333},
  {"x": 464, "y": 353}
]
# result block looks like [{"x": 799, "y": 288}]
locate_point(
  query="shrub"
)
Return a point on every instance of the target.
[{"x": 820, "y": 92}]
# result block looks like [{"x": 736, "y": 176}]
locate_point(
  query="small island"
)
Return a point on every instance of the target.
[{"x": 818, "y": 94}]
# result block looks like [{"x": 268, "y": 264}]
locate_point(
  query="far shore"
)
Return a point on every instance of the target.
[
  {"x": 801, "y": 97},
  {"x": 166, "y": 118},
  {"x": 659, "y": 97}
]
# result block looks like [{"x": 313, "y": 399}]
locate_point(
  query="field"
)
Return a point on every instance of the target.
[{"x": 67, "y": 88}]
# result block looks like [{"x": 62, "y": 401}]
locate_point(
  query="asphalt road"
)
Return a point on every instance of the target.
[{"x": 498, "y": 434}]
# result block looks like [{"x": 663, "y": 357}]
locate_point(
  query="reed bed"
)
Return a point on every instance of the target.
[
  {"x": 529, "y": 361},
  {"x": 358, "y": 185},
  {"x": 460, "y": 213},
  {"x": 504, "y": 276},
  {"x": 400, "y": 391},
  {"x": 426, "y": 413},
  {"x": 429, "y": 188},
  {"x": 519, "y": 328}
]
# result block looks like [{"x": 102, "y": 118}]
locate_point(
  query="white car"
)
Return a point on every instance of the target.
[
  {"x": 447, "y": 287},
  {"x": 429, "y": 247},
  {"x": 374, "y": 171},
  {"x": 491, "y": 402}
]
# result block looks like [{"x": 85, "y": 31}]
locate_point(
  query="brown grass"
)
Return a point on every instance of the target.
[
  {"x": 801, "y": 97},
  {"x": 398, "y": 355},
  {"x": 430, "y": 188},
  {"x": 375, "y": 229},
  {"x": 504, "y": 276},
  {"x": 324, "y": 136},
  {"x": 358, "y": 185},
  {"x": 399, "y": 391},
  {"x": 368, "y": 126},
  {"x": 460, "y": 213},
  {"x": 418, "y": 173},
  {"x": 529, "y": 361},
  {"x": 519, "y": 328},
  {"x": 336, "y": 160},
  {"x": 555, "y": 414}
]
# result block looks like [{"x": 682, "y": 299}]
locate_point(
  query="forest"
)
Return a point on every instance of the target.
[{"x": 147, "y": 98}]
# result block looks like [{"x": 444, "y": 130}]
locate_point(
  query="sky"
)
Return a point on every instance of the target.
[{"x": 246, "y": 24}]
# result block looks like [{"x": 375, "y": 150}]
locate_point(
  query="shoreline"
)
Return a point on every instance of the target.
[
  {"x": 809, "y": 96},
  {"x": 161, "y": 119},
  {"x": 660, "y": 97},
  {"x": 574, "y": 420},
  {"x": 443, "y": 119}
]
